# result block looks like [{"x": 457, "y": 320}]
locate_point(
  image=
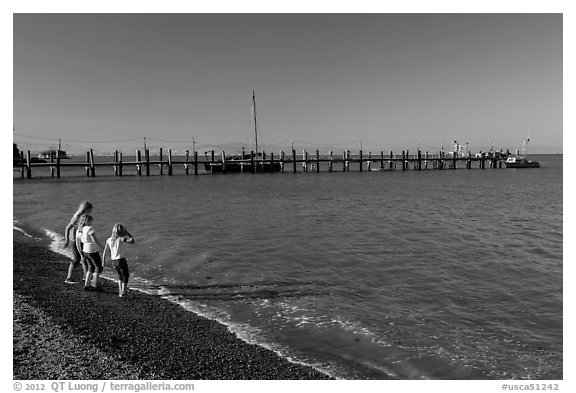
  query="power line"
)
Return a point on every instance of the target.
[{"x": 75, "y": 141}]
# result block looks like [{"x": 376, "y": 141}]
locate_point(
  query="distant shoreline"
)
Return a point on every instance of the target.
[{"x": 139, "y": 337}]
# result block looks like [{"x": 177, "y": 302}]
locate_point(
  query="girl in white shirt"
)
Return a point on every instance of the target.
[
  {"x": 90, "y": 248},
  {"x": 116, "y": 245}
]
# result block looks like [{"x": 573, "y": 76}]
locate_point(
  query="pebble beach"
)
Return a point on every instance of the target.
[{"x": 61, "y": 331}]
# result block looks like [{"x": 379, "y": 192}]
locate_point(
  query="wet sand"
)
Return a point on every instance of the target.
[{"x": 64, "y": 332}]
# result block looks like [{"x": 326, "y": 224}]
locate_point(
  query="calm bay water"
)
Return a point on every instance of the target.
[{"x": 410, "y": 275}]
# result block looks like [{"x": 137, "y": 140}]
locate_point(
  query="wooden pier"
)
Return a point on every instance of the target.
[{"x": 256, "y": 163}]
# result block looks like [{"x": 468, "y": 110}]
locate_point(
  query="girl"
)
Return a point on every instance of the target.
[
  {"x": 74, "y": 224},
  {"x": 116, "y": 245},
  {"x": 90, "y": 248}
]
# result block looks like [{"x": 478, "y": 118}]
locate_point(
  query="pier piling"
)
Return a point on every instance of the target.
[
  {"x": 262, "y": 162},
  {"x": 138, "y": 162},
  {"x": 419, "y": 160},
  {"x": 147, "y": 158},
  {"x": 28, "y": 165},
  {"x": 223, "y": 161}
]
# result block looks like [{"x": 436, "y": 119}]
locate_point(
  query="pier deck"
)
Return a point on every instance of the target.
[{"x": 257, "y": 163}]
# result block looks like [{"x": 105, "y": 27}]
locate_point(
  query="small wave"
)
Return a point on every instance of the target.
[
  {"x": 16, "y": 226},
  {"x": 24, "y": 232},
  {"x": 57, "y": 243},
  {"x": 300, "y": 316},
  {"x": 244, "y": 332}
]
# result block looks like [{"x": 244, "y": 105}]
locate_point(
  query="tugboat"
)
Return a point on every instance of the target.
[{"x": 520, "y": 160}]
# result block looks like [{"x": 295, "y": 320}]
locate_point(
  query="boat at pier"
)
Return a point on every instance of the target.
[
  {"x": 245, "y": 162},
  {"x": 520, "y": 159},
  {"x": 52, "y": 154},
  {"x": 521, "y": 162}
]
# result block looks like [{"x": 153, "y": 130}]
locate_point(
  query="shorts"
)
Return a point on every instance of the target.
[
  {"x": 94, "y": 262},
  {"x": 121, "y": 267}
]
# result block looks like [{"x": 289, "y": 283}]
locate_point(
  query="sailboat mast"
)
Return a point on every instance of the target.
[{"x": 255, "y": 125}]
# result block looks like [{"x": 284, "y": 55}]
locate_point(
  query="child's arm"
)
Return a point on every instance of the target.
[
  {"x": 128, "y": 238},
  {"x": 67, "y": 231},
  {"x": 78, "y": 243},
  {"x": 104, "y": 253}
]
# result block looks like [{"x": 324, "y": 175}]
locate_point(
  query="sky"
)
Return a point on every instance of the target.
[{"x": 374, "y": 81}]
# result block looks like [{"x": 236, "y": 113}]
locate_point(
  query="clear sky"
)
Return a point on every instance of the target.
[{"x": 381, "y": 81}]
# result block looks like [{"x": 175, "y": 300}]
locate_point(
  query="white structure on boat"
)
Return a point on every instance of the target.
[{"x": 520, "y": 159}]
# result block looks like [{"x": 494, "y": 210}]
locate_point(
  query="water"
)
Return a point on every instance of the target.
[{"x": 409, "y": 275}]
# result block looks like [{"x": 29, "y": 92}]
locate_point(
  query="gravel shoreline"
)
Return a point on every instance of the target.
[{"x": 63, "y": 332}]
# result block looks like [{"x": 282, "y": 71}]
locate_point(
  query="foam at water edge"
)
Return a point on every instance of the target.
[
  {"x": 57, "y": 243},
  {"x": 306, "y": 317},
  {"x": 21, "y": 230},
  {"x": 245, "y": 333}
]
